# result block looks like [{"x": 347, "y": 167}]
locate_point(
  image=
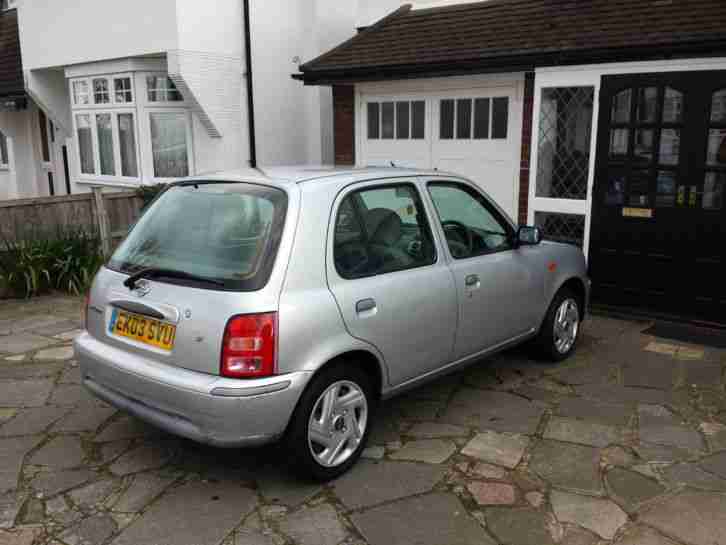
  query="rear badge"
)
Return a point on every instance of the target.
[
  {"x": 141, "y": 288},
  {"x": 187, "y": 314}
]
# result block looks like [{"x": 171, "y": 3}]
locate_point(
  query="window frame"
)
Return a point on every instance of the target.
[
  {"x": 421, "y": 209},
  {"x": 474, "y": 99},
  {"x": 396, "y": 101},
  {"x": 148, "y": 144},
  {"x": 5, "y": 164},
  {"x": 97, "y": 176},
  {"x": 111, "y": 88},
  {"x": 161, "y": 103},
  {"x": 486, "y": 202}
]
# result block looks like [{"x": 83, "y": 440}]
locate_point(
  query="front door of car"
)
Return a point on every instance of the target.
[
  {"x": 498, "y": 291},
  {"x": 392, "y": 286}
]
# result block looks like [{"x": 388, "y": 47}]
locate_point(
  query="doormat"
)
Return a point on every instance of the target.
[{"x": 688, "y": 333}]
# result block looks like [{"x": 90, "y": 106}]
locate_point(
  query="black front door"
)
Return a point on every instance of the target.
[{"x": 658, "y": 236}]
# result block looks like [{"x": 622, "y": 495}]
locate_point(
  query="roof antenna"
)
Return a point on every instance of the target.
[{"x": 393, "y": 165}]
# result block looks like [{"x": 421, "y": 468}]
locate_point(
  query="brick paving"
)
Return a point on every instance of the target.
[{"x": 625, "y": 443}]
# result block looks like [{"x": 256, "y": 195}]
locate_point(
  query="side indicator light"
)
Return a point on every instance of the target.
[{"x": 552, "y": 266}]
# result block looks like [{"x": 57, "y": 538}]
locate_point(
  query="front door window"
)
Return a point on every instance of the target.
[{"x": 472, "y": 226}]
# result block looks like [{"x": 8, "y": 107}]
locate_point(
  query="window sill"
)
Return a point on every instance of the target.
[{"x": 108, "y": 183}]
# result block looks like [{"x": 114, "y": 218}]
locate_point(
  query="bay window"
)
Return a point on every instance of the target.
[{"x": 130, "y": 127}]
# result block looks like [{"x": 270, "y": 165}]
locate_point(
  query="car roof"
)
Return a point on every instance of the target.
[{"x": 283, "y": 175}]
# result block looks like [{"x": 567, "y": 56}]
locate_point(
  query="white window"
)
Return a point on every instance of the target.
[
  {"x": 400, "y": 120},
  {"x": 160, "y": 88},
  {"x": 129, "y": 127},
  {"x": 4, "y": 157},
  {"x": 170, "y": 133},
  {"x": 479, "y": 118},
  {"x": 8, "y": 4}
]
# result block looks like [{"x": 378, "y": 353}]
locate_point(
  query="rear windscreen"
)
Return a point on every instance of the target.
[{"x": 227, "y": 233}]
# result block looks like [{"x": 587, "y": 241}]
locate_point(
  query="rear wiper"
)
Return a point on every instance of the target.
[{"x": 153, "y": 272}]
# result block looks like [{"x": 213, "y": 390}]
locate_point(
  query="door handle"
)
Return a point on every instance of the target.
[
  {"x": 365, "y": 305},
  {"x": 472, "y": 280}
]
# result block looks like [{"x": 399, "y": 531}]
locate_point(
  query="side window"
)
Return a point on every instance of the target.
[
  {"x": 381, "y": 230},
  {"x": 471, "y": 225}
]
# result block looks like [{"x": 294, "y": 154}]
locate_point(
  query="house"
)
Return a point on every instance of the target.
[
  {"x": 120, "y": 94},
  {"x": 26, "y": 163},
  {"x": 601, "y": 121}
]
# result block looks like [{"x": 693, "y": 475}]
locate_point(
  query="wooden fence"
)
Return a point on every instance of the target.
[{"x": 108, "y": 214}]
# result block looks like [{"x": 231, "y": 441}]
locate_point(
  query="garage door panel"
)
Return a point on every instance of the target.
[{"x": 481, "y": 138}]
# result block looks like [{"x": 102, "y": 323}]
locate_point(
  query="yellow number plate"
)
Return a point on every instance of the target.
[{"x": 142, "y": 329}]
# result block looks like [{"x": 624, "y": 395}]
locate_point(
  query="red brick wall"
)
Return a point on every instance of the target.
[
  {"x": 526, "y": 147},
  {"x": 344, "y": 124}
]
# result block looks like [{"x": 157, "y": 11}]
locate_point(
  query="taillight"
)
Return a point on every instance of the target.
[{"x": 248, "y": 347}]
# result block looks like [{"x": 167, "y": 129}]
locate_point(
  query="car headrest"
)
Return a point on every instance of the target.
[{"x": 384, "y": 225}]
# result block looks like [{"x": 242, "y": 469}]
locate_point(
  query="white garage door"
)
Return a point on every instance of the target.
[{"x": 476, "y": 134}]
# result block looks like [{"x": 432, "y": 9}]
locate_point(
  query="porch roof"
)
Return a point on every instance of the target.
[
  {"x": 11, "y": 67},
  {"x": 517, "y": 35}
]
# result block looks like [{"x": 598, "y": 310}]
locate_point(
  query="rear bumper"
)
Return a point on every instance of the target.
[{"x": 204, "y": 408}]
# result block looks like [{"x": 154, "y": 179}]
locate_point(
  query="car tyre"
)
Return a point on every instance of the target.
[
  {"x": 334, "y": 412},
  {"x": 560, "y": 329}
]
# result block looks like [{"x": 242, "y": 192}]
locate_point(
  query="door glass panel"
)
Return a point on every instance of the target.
[
  {"x": 644, "y": 143},
  {"x": 665, "y": 188},
  {"x": 621, "y": 107},
  {"x": 713, "y": 189},
  {"x": 127, "y": 143},
  {"x": 670, "y": 147},
  {"x": 402, "y": 114},
  {"x": 647, "y": 104},
  {"x": 374, "y": 121},
  {"x": 638, "y": 190},
  {"x": 418, "y": 121},
  {"x": 387, "y": 120},
  {"x": 619, "y": 144},
  {"x": 105, "y": 144},
  {"x": 481, "y": 118},
  {"x": 615, "y": 193},
  {"x": 463, "y": 118},
  {"x": 718, "y": 107},
  {"x": 716, "y": 147},
  {"x": 446, "y": 131},
  {"x": 85, "y": 143},
  {"x": 565, "y": 128},
  {"x": 672, "y": 106},
  {"x": 382, "y": 230},
  {"x": 470, "y": 225}
]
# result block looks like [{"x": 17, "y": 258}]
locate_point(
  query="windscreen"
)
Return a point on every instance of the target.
[{"x": 228, "y": 233}]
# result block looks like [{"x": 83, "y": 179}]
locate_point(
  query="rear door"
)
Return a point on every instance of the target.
[
  {"x": 500, "y": 289},
  {"x": 391, "y": 284}
]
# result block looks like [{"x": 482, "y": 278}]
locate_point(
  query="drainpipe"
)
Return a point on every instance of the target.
[{"x": 250, "y": 99}]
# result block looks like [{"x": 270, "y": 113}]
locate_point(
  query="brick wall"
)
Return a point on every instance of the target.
[
  {"x": 526, "y": 147},
  {"x": 344, "y": 124}
]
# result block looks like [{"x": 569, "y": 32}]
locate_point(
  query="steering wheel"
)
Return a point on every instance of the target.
[{"x": 460, "y": 248}]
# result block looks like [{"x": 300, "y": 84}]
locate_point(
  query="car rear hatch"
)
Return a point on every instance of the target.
[{"x": 201, "y": 254}]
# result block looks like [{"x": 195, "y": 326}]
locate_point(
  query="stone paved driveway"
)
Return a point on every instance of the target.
[{"x": 625, "y": 443}]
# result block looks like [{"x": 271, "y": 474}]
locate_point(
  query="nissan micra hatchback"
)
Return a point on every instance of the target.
[{"x": 245, "y": 308}]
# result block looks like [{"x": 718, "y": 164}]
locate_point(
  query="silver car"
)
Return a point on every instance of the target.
[{"x": 243, "y": 308}]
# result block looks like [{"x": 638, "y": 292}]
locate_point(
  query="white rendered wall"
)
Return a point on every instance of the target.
[{"x": 54, "y": 33}]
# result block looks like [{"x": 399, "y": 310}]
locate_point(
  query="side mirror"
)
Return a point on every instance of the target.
[{"x": 528, "y": 236}]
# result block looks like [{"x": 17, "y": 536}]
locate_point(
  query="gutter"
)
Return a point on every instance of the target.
[{"x": 250, "y": 97}]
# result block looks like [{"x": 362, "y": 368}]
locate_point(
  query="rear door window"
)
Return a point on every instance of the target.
[
  {"x": 380, "y": 230},
  {"x": 224, "y": 232}
]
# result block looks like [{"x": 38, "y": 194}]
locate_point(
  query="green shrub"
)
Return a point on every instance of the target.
[{"x": 66, "y": 261}]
